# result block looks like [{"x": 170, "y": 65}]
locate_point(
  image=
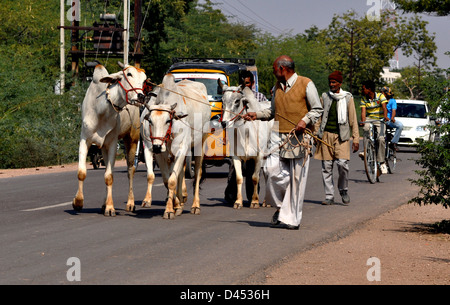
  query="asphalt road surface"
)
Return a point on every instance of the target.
[{"x": 44, "y": 241}]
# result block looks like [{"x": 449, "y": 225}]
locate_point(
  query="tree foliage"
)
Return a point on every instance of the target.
[
  {"x": 438, "y": 7},
  {"x": 434, "y": 175},
  {"x": 38, "y": 127}
]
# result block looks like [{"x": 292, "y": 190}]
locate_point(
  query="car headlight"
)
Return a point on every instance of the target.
[{"x": 421, "y": 128}]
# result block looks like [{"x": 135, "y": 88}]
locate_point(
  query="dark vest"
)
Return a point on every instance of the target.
[{"x": 291, "y": 106}]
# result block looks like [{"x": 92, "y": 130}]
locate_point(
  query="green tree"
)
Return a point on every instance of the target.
[
  {"x": 438, "y": 7},
  {"x": 434, "y": 175},
  {"x": 35, "y": 124},
  {"x": 205, "y": 32},
  {"x": 307, "y": 50},
  {"x": 419, "y": 43},
  {"x": 360, "y": 48},
  {"x": 162, "y": 16}
]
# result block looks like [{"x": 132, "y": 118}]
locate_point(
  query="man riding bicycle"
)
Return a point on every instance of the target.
[
  {"x": 391, "y": 113},
  {"x": 373, "y": 106}
]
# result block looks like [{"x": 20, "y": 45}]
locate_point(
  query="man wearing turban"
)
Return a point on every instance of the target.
[{"x": 337, "y": 125}]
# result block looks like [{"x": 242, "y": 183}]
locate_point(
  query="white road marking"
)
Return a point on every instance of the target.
[
  {"x": 48, "y": 207},
  {"x": 63, "y": 204}
]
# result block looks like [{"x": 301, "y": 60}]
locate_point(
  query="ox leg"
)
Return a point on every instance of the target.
[
  {"x": 239, "y": 180},
  {"x": 178, "y": 165},
  {"x": 179, "y": 203},
  {"x": 169, "y": 213},
  {"x": 130, "y": 146},
  {"x": 195, "y": 209},
  {"x": 147, "y": 202},
  {"x": 255, "y": 179},
  {"x": 77, "y": 203},
  {"x": 109, "y": 154}
]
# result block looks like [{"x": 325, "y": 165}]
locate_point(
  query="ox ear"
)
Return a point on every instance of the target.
[
  {"x": 112, "y": 78},
  {"x": 221, "y": 87}
]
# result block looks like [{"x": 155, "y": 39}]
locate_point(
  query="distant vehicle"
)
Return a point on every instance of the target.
[
  {"x": 416, "y": 121},
  {"x": 208, "y": 71},
  {"x": 95, "y": 154}
]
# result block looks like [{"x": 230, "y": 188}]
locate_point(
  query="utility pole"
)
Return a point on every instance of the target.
[
  {"x": 137, "y": 33},
  {"x": 102, "y": 43},
  {"x": 62, "y": 59},
  {"x": 126, "y": 32}
]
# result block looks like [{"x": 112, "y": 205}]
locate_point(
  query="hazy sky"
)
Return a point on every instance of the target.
[{"x": 295, "y": 16}]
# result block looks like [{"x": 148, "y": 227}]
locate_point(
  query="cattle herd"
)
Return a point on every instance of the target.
[{"x": 173, "y": 124}]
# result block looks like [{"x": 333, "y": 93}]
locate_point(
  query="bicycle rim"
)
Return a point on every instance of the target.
[
  {"x": 370, "y": 162},
  {"x": 391, "y": 161}
]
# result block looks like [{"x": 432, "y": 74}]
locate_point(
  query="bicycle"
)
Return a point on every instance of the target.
[
  {"x": 371, "y": 149},
  {"x": 391, "y": 153}
]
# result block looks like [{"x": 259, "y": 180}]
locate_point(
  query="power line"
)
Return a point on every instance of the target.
[
  {"x": 264, "y": 25},
  {"x": 274, "y": 27},
  {"x": 232, "y": 15}
]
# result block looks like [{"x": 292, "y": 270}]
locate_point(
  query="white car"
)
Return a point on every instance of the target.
[{"x": 414, "y": 116}]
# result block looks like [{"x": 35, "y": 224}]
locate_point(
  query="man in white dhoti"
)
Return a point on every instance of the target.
[{"x": 295, "y": 105}]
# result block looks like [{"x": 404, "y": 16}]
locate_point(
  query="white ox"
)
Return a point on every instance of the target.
[
  {"x": 250, "y": 141},
  {"x": 107, "y": 117},
  {"x": 172, "y": 125}
]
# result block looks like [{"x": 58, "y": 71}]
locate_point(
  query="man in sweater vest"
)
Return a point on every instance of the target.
[
  {"x": 295, "y": 106},
  {"x": 337, "y": 125}
]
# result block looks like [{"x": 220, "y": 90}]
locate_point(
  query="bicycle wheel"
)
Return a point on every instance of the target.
[
  {"x": 391, "y": 160},
  {"x": 370, "y": 161}
]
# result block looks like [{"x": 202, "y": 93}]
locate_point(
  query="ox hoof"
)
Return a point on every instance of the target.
[
  {"x": 195, "y": 211},
  {"x": 178, "y": 212},
  {"x": 146, "y": 204},
  {"x": 254, "y": 205},
  {"x": 266, "y": 205},
  {"x": 237, "y": 205},
  {"x": 77, "y": 205},
  {"x": 169, "y": 215},
  {"x": 130, "y": 208},
  {"x": 109, "y": 212}
]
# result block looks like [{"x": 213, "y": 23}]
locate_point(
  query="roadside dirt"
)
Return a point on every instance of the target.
[
  {"x": 404, "y": 241},
  {"x": 408, "y": 249}
]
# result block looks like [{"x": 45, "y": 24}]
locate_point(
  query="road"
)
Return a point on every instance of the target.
[{"x": 39, "y": 231}]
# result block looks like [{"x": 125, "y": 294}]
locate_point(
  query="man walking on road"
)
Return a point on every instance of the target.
[
  {"x": 295, "y": 105},
  {"x": 337, "y": 125}
]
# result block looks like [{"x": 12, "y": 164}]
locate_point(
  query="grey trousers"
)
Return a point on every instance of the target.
[{"x": 327, "y": 175}]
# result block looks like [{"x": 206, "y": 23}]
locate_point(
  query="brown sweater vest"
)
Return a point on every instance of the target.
[{"x": 291, "y": 105}]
